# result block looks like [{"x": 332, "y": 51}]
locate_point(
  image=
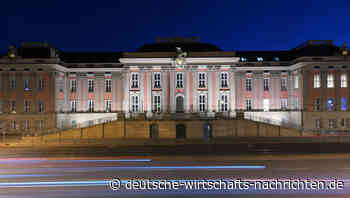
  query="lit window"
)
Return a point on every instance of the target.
[
  {"x": 243, "y": 59},
  {"x": 202, "y": 80},
  {"x": 330, "y": 104},
  {"x": 248, "y": 84},
  {"x": 73, "y": 105},
  {"x": 266, "y": 84},
  {"x": 13, "y": 83},
  {"x": 330, "y": 80},
  {"x": 134, "y": 80},
  {"x": 343, "y": 123},
  {"x": 344, "y": 104},
  {"x": 296, "y": 82},
  {"x": 73, "y": 85},
  {"x": 41, "y": 106},
  {"x": 26, "y": 106},
  {"x": 317, "y": 123},
  {"x": 224, "y": 79},
  {"x": 283, "y": 84},
  {"x": 157, "y": 80},
  {"x": 91, "y": 85},
  {"x": 331, "y": 124},
  {"x": 13, "y": 106},
  {"x": 284, "y": 103},
  {"x": 260, "y": 59},
  {"x": 156, "y": 103},
  {"x": 343, "y": 81},
  {"x": 91, "y": 106},
  {"x": 134, "y": 103},
  {"x": 202, "y": 103},
  {"x": 108, "y": 105},
  {"x": 41, "y": 124},
  {"x": 41, "y": 84},
  {"x": 27, "y": 124},
  {"x": 266, "y": 104},
  {"x": 26, "y": 85},
  {"x": 249, "y": 104},
  {"x": 108, "y": 85},
  {"x": 317, "y": 104},
  {"x": 317, "y": 80},
  {"x": 179, "y": 80},
  {"x": 13, "y": 124},
  {"x": 224, "y": 102}
]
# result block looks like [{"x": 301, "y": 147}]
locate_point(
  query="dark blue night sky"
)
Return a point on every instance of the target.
[{"x": 77, "y": 25}]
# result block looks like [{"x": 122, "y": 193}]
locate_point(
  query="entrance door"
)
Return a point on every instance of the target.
[
  {"x": 153, "y": 133},
  {"x": 208, "y": 132},
  {"x": 180, "y": 131},
  {"x": 179, "y": 104}
]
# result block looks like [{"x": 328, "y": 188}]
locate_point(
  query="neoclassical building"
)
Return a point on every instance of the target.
[{"x": 44, "y": 88}]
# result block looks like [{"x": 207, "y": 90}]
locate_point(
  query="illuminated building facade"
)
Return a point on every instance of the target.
[{"x": 306, "y": 87}]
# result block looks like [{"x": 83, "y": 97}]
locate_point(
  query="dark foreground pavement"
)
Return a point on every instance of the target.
[{"x": 23, "y": 177}]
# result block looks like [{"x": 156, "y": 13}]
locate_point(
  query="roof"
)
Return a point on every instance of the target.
[
  {"x": 90, "y": 57},
  {"x": 171, "y": 47}
]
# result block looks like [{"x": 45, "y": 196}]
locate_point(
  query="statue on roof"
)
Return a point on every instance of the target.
[{"x": 180, "y": 58}]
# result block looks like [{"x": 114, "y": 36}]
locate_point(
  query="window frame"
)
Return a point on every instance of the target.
[
  {"x": 330, "y": 80},
  {"x": 135, "y": 106},
  {"x": 202, "y": 102},
  {"x": 157, "y": 103},
  {"x": 224, "y": 83},
  {"x": 179, "y": 81},
  {"x": 134, "y": 80},
  {"x": 91, "y": 85},
  {"x": 157, "y": 82},
  {"x": 73, "y": 85},
  {"x": 248, "y": 86},
  {"x": 108, "y": 85},
  {"x": 91, "y": 106},
  {"x": 317, "y": 80},
  {"x": 202, "y": 80},
  {"x": 343, "y": 80}
]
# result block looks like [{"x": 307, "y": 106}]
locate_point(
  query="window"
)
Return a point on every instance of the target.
[
  {"x": 331, "y": 124},
  {"x": 41, "y": 124},
  {"x": 27, "y": 124},
  {"x": 108, "y": 105},
  {"x": 201, "y": 80},
  {"x": 266, "y": 84},
  {"x": 26, "y": 106},
  {"x": 13, "y": 106},
  {"x": 260, "y": 59},
  {"x": 224, "y": 79},
  {"x": 41, "y": 84},
  {"x": 249, "y": 104},
  {"x": 156, "y": 103},
  {"x": 13, "y": 84},
  {"x": 60, "y": 85},
  {"x": 284, "y": 103},
  {"x": 330, "y": 104},
  {"x": 41, "y": 106},
  {"x": 73, "y": 85},
  {"x": 344, "y": 104},
  {"x": 179, "y": 80},
  {"x": 134, "y": 80},
  {"x": 266, "y": 104},
  {"x": 108, "y": 85},
  {"x": 13, "y": 124},
  {"x": 248, "y": 84},
  {"x": 343, "y": 123},
  {"x": 91, "y": 85},
  {"x": 317, "y": 104},
  {"x": 283, "y": 84},
  {"x": 74, "y": 124},
  {"x": 26, "y": 85},
  {"x": 296, "y": 82},
  {"x": 330, "y": 81},
  {"x": 318, "y": 124},
  {"x": 73, "y": 106},
  {"x": 202, "y": 103},
  {"x": 343, "y": 80},
  {"x": 317, "y": 80},
  {"x": 156, "y": 82},
  {"x": 224, "y": 102},
  {"x": 91, "y": 106},
  {"x": 0, "y": 124},
  {"x": 134, "y": 103}
]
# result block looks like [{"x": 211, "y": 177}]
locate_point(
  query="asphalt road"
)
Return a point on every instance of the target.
[{"x": 90, "y": 176}]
